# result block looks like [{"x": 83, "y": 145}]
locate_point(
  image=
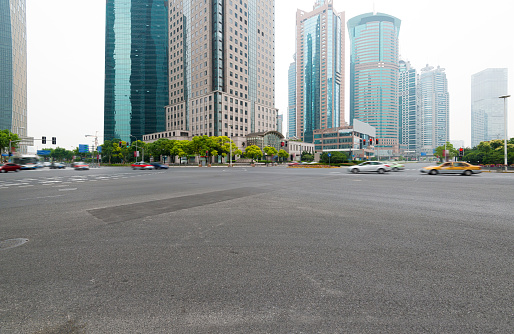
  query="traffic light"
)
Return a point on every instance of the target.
[
  {"x": 371, "y": 141},
  {"x": 360, "y": 144},
  {"x": 281, "y": 143},
  {"x": 461, "y": 152},
  {"x": 376, "y": 141},
  {"x": 54, "y": 140},
  {"x": 43, "y": 140},
  {"x": 119, "y": 144}
]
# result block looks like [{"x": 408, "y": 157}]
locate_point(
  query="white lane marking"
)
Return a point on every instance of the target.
[
  {"x": 67, "y": 189},
  {"x": 33, "y": 198},
  {"x": 28, "y": 185}
]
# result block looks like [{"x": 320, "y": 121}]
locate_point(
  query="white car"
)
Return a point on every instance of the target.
[{"x": 370, "y": 166}]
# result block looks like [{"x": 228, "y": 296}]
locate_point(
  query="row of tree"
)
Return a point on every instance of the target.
[
  {"x": 7, "y": 141},
  {"x": 118, "y": 151},
  {"x": 490, "y": 152}
]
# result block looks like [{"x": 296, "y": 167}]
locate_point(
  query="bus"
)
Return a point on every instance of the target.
[{"x": 26, "y": 161}]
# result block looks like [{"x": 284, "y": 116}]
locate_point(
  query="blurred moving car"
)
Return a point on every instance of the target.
[
  {"x": 158, "y": 165},
  {"x": 29, "y": 166},
  {"x": 370, "y": 166},
  {"x": 294, "y": 164},
  {"x": 142, "y": 165},
  {"x": 46, "y": 164},
  {"x": 57, "y": 165},
  {"x": 9, "y": 167},
  {"x": 457, "y": 167},
  {"x": 79, "y": 165},
  {"x": 396, "y": 166}
]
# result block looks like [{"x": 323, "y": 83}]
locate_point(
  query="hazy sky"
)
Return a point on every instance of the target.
[{"x": 66, "y": 56}]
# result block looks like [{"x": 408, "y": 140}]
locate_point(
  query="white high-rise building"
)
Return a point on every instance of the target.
[
  {"x": 487, "y": 114},
  {"x": 434, "y": 111}
]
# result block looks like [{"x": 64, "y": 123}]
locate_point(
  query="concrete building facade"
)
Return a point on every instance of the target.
[
  {"x": 291, "y": 100},
  {"x": 221, "y": 67},
  {"x": 320, "y": 59},
  {"x": 408, "y": 103}
]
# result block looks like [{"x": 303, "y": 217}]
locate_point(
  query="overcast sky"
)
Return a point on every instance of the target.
[{"x": 66, "y": 56}]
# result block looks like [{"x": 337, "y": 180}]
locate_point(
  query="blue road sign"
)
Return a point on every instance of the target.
[
  {"x": 99, "y": 148},
  {"x": 83, "y": 148},
  {"x": 43, "y": 152},
  {"x": 329, "y": 154}
]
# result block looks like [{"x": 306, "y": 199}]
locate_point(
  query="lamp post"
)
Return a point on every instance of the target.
[
  {"x": 230, "y": 144},
  {"x": 504, "y": 97}
]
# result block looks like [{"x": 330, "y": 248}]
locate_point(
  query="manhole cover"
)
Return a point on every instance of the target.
[{"x": 11, "y": 243}]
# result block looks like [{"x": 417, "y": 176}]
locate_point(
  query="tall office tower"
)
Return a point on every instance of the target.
[
  {"x": 222, "y": 67},
  {"x": 13, "y": 68},
  {"x": 280, "y": 121},
  {"x": 434, "y": 111},
  {"x": 487, "y": 114},
  {"x": 408, "y": 104},
  {"x": 374, "y": 75},
  {"x": 319, "y": 69},
  {"x": 291, "y": 100},
  {"x": 136, "y": 68}
]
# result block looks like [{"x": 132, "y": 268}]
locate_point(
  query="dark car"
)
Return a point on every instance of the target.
[
  {"x": 9, "y": 167},
  {"x": 57, "y": 165},
  {"x": 158, "y": 165}
]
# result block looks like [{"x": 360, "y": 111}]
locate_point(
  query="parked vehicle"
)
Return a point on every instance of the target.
[
  {"x": 457, "y": 167},
  {"x": 9, "y": 167},
  {"x": 142, "y": 165},
  {"x": 370, "y": 166}
]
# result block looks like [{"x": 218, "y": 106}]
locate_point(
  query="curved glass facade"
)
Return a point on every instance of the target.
[
  {"x": 136, "y": 68},
  {"x": 374, "y": 73}
]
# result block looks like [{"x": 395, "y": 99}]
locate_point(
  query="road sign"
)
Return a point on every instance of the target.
[
  {"x": 329, "y": 154},
  {"x": 83, "y": 148},
  {"x": 43, "y": 152}
]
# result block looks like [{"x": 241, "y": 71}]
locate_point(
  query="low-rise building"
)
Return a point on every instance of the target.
[{"x": 357, "y": 141}]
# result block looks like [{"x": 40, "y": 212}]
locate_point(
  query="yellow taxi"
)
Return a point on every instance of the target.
[{"x": 452, "y": 168}]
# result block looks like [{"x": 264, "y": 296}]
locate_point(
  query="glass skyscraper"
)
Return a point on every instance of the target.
[
  {"x": 136, "y": 68},
  {"x": 319, "y": 69},
  {"x": 374, "y": 75},
  {"x": 434, "y": 111},
  {"x": 408, "y": 104},
  {"x": 487, "y": 114},
  {"x": 13, "y": 67},
  {"x": 291, "y": 100}
]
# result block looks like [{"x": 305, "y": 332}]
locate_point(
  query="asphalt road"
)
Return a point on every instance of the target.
[{"x": 255, "y": 250}]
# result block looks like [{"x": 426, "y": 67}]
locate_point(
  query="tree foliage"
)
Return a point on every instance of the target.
[
  {"x": 306, "y": 156},
  {"x": 7, "y": 137},
  {"x": 452, "y": 152},
  {"x": 335, "y": 157},
  {"x": 253, "y": 151},
  {"x": 490, "y": 152}
]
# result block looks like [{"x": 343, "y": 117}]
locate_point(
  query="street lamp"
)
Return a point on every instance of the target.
[
  {"x": 504, "y": 97},
  {"x": 230, "y": 144}
]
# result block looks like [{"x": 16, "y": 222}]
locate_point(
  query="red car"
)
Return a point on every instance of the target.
[
  {"x": 9, "y": 167},
  {"x": 142, "y": 165}
]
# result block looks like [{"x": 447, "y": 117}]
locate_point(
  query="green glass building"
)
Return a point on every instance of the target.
[
  {"x": 13, "y": 67},
  {"x": 374, "y": 71},
  {"x": 136, "y": 68}
]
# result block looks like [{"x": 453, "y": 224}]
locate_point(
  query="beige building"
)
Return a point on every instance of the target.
[{"x": 222, "y": 67}]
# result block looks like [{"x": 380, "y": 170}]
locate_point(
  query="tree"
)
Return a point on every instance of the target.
[
  {"x": 6, "y": 138},
  {"x": 306, "y": 156},
  {"x": 253, "y": 151},
  {"x": 452, "y": 152},
  {"x": 58, "y": 153},
  {"x": 335, "y": 157},
  {"x": 283, "y": 154},
  {"x": 270, "y": 151}
]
